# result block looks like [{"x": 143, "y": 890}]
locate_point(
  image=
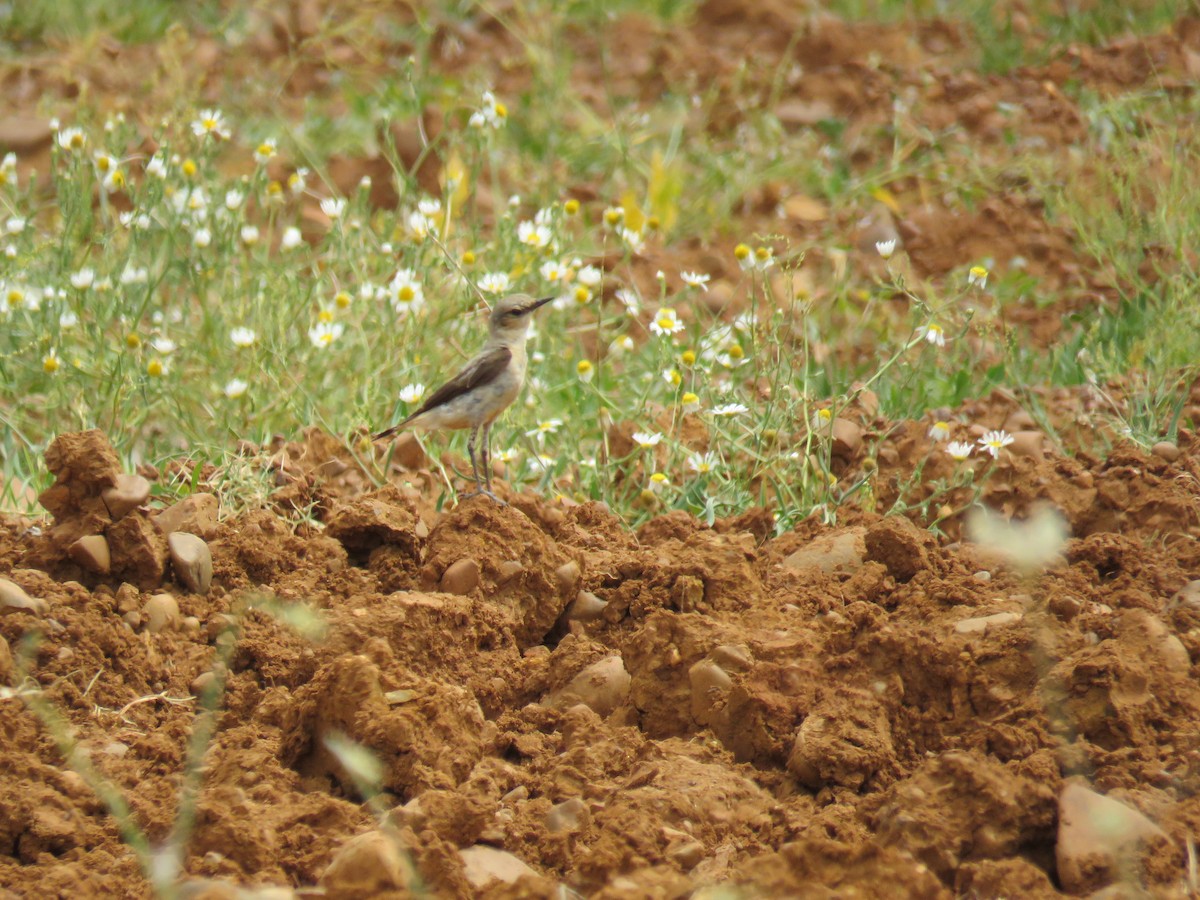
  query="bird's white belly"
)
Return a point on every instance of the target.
[{"x": 476, "y": 407}]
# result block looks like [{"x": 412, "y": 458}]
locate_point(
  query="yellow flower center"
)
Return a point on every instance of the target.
[
  {"x": 132, "y": 341},
  {"x": 406, "y": 294},
  {"x": 688, "y": 358},
  {"x": 468, "y": 258},
  {"x": 154, "y": 368},
  {"x": 689, "y": 398},
  {"x": 741, "y": 251},
  {"x": 189, "y": 167},
  {"x": 582, "y": 294},
  {"x": 325, "y": 316},
  {"x": 674, "y": 377},
  {"x": 736, "y": 352},
  {"x": 50, "y": 363},
  {"x": 571, "y": 207},
  {"x": 342, "y": 299}
]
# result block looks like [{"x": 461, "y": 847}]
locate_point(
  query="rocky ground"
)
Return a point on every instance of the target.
[{"x": 850, "y": 710}]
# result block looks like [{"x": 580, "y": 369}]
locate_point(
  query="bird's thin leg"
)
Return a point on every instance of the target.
[
  {"x": 474, "y": 464},
  {"x": 487, "y": 458}
]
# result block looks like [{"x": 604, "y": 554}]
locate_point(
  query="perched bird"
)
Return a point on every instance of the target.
[{"x": 486, "y": 386}]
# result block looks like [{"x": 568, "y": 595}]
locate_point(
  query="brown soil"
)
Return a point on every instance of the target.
[{"x": 797, "y": 715}]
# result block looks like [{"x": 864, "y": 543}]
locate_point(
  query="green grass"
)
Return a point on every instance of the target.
[{"x": 144, "y": 349}]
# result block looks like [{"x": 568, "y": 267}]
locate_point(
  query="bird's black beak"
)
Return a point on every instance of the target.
[{"x": 538, "y": 303}]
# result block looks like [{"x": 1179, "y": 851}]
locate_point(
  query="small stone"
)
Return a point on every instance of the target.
[
  {"x": 368, "y": 865},
  {"x": 128, "y": 597},
  {"x": 24, "y": 134},
  {"x": 192, "y": 561},
  {"x": 843, "y": 551},
  {"x": 1028, "y": 443},
  {"x": 847, "y": 439},
  {"x": 202, "y": 682},
  {"x": 6, "y": 660},
  {"x": 586, "y": 607},
  {"x": 460, "y": 577},
  {"x": 91, "y": 553},
  {"x": 13, "y": 597},
  {"x": 485, "y": 865},
  {"x": 407, "y": 451},
  {"x": 603, "y": 687},
  {"x": 509, "y": 569},
  {"x": 980, "y": 624},
  {"x": 567, "y": 576},
  {"x": 735, "y": 657},
  {"x": 191, "y": 625},
  {"x": 162, "y": 612},
  {"x": 709, "y": 683},
  {"x": 1065, "y": 606},
  {"x": 1098, "y": 838},
  {"x": 195, "y": 514},
  {"x": 133, "y": 619},
  {"x": 130, "y": 492},
  {"x": 570, "y": 815},
  {"x": 687, "y": 855},
  {"x": 1166, "y": 450},
  {"x": 116, "y": 749}
]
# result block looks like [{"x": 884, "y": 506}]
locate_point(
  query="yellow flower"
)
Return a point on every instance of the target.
[
  {"x": 341, "y": 300},
  {"x": 468, "y": 258},
  {"x": 978, "y": 276},
  {"x": 741, "y": 252},
  {"x": 672, "y": 377},
  {"x": 155, "y": 368},
  {"x": 688, "y": 357},
  {"x": 571, "y": 207},
  {"x": 325, "y": 315},
  {"x": 132, "y": 341},
  {"x": 585, "y": 370},
  {"x": 50, "y": 362},
  {"x": 189, "y": 167},
  {"x": 690, "y": 402}
]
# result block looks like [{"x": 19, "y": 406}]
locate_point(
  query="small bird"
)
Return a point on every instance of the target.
[{"x": 486, "y": 386}]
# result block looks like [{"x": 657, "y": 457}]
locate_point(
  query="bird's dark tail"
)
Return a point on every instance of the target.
[{"x": 385, "y": 434}]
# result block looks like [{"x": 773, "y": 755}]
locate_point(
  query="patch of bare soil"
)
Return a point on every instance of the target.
[{"x": 859, "y": 710}]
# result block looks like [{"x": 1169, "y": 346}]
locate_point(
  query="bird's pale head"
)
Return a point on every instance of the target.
[{"x": 511, "y": 315}]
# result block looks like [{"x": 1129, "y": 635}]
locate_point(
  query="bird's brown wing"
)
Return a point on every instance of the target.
[{"x": 480, "y": 370}]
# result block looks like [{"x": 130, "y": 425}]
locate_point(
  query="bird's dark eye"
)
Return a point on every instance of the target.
[{"x": 512, "y": 314}]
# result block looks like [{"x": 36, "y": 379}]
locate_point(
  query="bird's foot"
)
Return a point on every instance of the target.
[{"x": 482, "y": 492}]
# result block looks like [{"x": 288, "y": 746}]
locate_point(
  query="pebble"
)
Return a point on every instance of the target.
[
  {"x": 602, "y": 687},
  {"x": 1166, "y": 450},
  {"x": 460, "y": 577},
  {"x": 843, "y": 551},
  {"x": 980, "y": 624},
  {"x": 509, "y": 569},
  {"x": 567, "y": 576},
  {"x": 732, "y": 656},
  {"x": 133, "y": 619},
  {"x": 128, "y": 597},
  {"x": 6, "y": 660},
  {"x": 1028, "y": 443},
  {"x": 688, "y": 854},
  {"x": 130, "y": 492},
  {"x": 202, "y": 682},
  {"x": 91, "y": 552},
  {"x": 847, "y": 438},
  {"x": 1098, "y": 837},
  {"x": 195, "y": 514},
  {"x": 586, "y": 607},
  {"x": 709, "y": 683},
  {"x": 486, "y": 864},
  {"x": 408, "y": 452},
  {"x": 13, "y": 597},
  {"x": 368, "y": 865},
  {"x": 162, "y": 612},
  {"x": 570, "y": 815},
  {"x": 192, "y": 561}
]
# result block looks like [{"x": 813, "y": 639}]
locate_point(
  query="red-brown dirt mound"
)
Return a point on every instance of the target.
[{"x": 554, "y": 700}]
